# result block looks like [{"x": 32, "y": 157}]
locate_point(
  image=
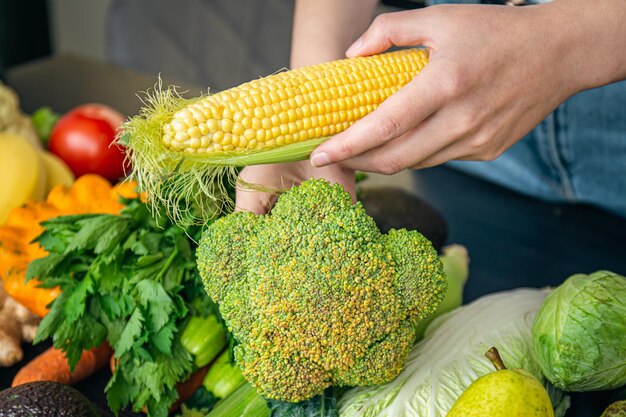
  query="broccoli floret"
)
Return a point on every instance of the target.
[{"x": 315, "y": 294}]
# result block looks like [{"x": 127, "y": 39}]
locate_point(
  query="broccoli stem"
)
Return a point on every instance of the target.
[
  {"x": 204, "y": 337},
  {"x": 245, "y": 402},
  {"x": 223, "y": 377},
  {"x": 456, "y": 267}
]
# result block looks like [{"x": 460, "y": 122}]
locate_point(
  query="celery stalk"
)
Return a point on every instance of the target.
[
  {"x": 244, "y": 402},
  {"x": 204, "y": 337},
  {"x": 456, "y": 267},
  {"x": 223, "y": 377}
]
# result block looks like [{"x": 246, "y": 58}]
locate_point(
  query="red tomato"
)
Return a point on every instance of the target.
[{"x": 84, "y": 137}]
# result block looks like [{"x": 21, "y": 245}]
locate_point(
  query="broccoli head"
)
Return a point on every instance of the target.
[{"x": 315, "y": 294}]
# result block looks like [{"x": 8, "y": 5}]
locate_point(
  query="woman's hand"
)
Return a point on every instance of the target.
[
  {"x": 494, "y": 73},
  {"x": 322, "y": 31},
  {"x": 283, "y": 176}
]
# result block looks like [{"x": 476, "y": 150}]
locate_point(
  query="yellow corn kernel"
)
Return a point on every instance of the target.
[{"x": 292, "y": 106}]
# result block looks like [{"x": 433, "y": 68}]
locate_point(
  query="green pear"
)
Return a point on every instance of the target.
[{"x": 503, "y": 393}]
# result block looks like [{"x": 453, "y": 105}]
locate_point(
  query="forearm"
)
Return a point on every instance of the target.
[
  {"x": 593, "y": 38},
  {"x": 323, "y": 29}
]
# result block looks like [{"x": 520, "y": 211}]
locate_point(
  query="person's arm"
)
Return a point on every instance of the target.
[
  {"x": 494, "y": 73},
  {"x": 322, "y": 31}
]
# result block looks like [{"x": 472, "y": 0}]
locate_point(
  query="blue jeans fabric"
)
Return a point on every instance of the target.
[{"x": 577, "y": 154}]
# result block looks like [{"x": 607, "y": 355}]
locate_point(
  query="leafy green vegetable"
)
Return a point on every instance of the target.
[
  {"x": 199, "y": 404},
  {"x": 44, "y": 119},
  {"x": 451, "y": 356},
  {"x": 202, "y": 398},
  {"x": 245, "y": 402},
  {"x": 323, "y": 405},
  {"x": 580, "y": 333},
  {"x": 131, "y": 281}
]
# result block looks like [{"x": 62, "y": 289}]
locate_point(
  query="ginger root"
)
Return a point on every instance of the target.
[
  {"x": 12, "y": 120},
  {"x": 17, "y": 324}
]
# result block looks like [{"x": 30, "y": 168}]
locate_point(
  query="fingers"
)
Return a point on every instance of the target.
[
  {"x": 442, "y": 137},
  {"x": 449, "y": 153},
  {"x": 254, "y": 201},
  {"x": 343, "y": 176},
  {"x": 411, "y": 151},
  {"x": 247, "y": 198},
  {"x": 414, "y": 146},
  {"x": 389, "y": 29},
  {"x": 401, "y": 112},
  {"x": 259, "y": 186}
]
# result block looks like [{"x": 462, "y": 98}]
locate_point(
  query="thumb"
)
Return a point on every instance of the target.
[
  {"x": 256, "y": 202},
  {"x": 247, "y": 198},
  {"x": 390, "y": 29}
]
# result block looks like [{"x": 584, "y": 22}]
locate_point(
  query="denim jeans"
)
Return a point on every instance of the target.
[{"x": 577, "y": 154}]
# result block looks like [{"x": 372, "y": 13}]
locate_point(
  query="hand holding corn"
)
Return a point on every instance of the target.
[
  {"x": 181, "y": 150},
  {"x": 487, "y": 84},
  {"x": 494, "y": 73}
]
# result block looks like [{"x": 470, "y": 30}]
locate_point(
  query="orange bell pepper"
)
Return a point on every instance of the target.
[{"x": 89, "y": 194}]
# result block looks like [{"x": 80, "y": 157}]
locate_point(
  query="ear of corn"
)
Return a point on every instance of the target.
[{"x": 181, "y": 149}]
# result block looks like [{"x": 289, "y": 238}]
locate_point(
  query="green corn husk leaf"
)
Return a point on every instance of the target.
[{"x": 194, "y": 188}]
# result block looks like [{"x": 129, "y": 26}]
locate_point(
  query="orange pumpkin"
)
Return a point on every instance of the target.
[{"x": 89, "y": 194}]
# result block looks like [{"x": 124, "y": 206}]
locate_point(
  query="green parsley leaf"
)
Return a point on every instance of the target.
[
  {"x": 43, "y": 267},
  {"x": 52, "y": 320},
  {"x": 162, "y": 339},
  {"x": 155, "y": 300},
  {"x": 75, "y": 305},
  {"x": 130, "y": 333},
  {"x": 132, "y": 280},
  {"x": 96, "y": 232}
]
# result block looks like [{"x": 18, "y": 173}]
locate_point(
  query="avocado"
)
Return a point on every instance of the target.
[
  {"x": 45, "y": 399},
  {"x": 394, "y": 208}
]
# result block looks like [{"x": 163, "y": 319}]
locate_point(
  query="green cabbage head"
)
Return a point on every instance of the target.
[{"x": 579, "y": 333}]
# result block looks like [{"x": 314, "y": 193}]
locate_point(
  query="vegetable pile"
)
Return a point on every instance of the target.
[
  {"x": 451, "y": 356},
  {"x": 314, "y": 297},
  {"x": 129, "y": 280},
  {"x": 307, "y": 311},
  {"x": 89, "y": 194}
]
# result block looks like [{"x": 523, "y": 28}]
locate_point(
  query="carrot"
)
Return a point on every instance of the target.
[
  {"x": 184, "y": 389},
  {"x": 113, "y": 363},
  {"x": 51, "y": 365}
]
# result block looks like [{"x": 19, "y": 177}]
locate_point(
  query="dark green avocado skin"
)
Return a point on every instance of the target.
[{"x": 45, "y": 399}]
